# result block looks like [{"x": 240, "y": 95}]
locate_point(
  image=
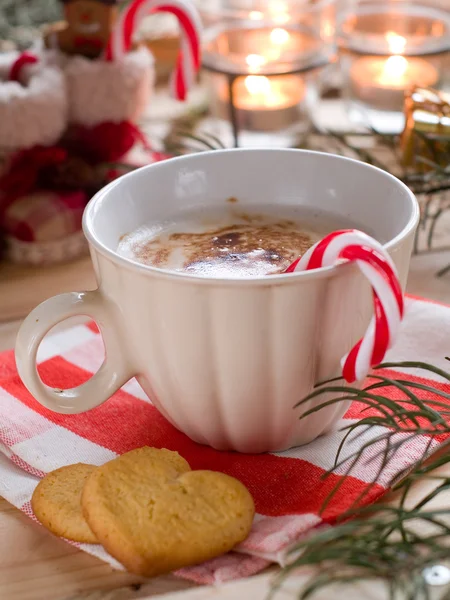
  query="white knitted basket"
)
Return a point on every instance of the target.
[
  {"x": 46, "y": 253},
  {"x": 101, "y": 91},
  {"x": 33, "y": 111}
]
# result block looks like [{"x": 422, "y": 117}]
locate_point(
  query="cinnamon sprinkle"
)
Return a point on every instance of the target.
[{"x": 248, "y": 248}]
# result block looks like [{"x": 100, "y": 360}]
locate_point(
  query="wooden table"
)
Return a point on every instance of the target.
[{"x": 35, "y": 565}]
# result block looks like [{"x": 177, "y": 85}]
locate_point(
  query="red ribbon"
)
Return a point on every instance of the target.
[
  {"x": 24, "y": 170},
  {"x": 26, "y": 58}
]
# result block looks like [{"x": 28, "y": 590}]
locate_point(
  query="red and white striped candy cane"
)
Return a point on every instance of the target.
[
  {"x": 377, "y": 266},
  {"x": 188, "y": 62}
]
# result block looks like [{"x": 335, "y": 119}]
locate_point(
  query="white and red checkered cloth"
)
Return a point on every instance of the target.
[{"x": 287, "y": 487}]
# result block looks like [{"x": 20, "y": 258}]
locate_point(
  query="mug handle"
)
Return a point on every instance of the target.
[{"x": 114, "y": 372}]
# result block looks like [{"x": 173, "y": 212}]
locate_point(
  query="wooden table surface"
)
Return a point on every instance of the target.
[{"x": 35, "y": 565}]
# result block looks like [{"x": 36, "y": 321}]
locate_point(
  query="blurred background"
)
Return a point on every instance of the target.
[{"x": 368, "y": 79}]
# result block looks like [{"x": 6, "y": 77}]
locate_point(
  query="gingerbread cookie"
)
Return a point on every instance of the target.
[
  {"x": 154, "y": 515},
  {"x": 56, "y": 503},
  {"x": 87, "y": 28}
]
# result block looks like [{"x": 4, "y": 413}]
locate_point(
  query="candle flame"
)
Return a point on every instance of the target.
[
  {"x": 257, "y": 84},
  {"x": 396, "y": 43},
  {"x": 279, "y": 36},
  {"x": 395, "y": 67},
  {"x": 255, "y": 61}
]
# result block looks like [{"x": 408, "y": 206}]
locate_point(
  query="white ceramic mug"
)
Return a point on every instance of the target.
[{"x": 225, "y": 360}]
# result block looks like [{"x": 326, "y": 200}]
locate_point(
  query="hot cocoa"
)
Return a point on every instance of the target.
[{"x": 229, "y": 244}]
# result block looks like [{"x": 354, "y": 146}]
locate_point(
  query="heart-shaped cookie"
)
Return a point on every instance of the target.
[
  {"x": 56, "y": 502},
  {"x": 155, "y": 516}
]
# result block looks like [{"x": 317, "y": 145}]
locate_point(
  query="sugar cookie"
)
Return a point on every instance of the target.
[
  {"x": 155, "y": 515},
  {"x": 56, "y": 502}
]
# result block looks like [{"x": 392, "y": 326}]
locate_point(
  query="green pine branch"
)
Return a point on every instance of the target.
[{"x": 395, "y": 543}]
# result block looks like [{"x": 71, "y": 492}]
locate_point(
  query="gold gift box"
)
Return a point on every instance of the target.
[{"x": 427, "y": 121}]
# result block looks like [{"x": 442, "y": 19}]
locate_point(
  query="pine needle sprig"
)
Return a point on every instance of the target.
[
  {"x": 394, "y": 543},
  {"x": 185, "y": 142},
  {"x": 404, "y": 419},
  {"x": 382, "y": 545}
]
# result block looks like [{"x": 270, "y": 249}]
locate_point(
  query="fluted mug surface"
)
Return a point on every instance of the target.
[{"x": 226, "y": 360}]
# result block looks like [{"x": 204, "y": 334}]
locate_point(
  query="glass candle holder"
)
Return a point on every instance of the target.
[
  {"x": 263, "y": 62},
  {"x": 387, "y": 48}
]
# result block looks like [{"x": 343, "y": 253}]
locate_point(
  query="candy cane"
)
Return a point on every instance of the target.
[
  {"x": 377, "y": 266},
  {"x": 188, "y": 62}
]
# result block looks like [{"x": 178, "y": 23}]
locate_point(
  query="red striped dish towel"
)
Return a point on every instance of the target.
[{"x": 287, "y": 487}]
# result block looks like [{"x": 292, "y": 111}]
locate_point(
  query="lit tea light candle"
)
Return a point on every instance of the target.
[
  {"x": 381, "y": 81},
  {"x": 264, "y": 89},
  {"x": 257, "y": 92},
  {"x": 255, "y": 62},
  {"x": 276, "y": 12},
  {"x": 279, "y": 41},
  {"x": 279, "y": 36},
  {"x": 266, "y": 103}
]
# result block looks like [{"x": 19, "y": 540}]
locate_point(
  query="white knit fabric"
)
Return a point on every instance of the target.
[
  {"x": 46, "y": 253},
  {"x": 33, "y": 111},
  {"x": 157, "y": 26},
  {"x": 102, "y": 91}
]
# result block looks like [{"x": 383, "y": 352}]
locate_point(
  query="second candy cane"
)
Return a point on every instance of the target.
[{"x": 189, "y": 58}]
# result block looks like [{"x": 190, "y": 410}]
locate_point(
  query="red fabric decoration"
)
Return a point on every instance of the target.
[
  {"x": 49, "y": 169},
  {"x": 24, "y": 171},
  {"x": 45, "y": 216},
  {"x": 26, "y": 58},
  {"x": 106, "y": 142}
]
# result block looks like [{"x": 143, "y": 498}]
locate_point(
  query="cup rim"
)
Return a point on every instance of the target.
[{"x": 282, "y": 278}]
